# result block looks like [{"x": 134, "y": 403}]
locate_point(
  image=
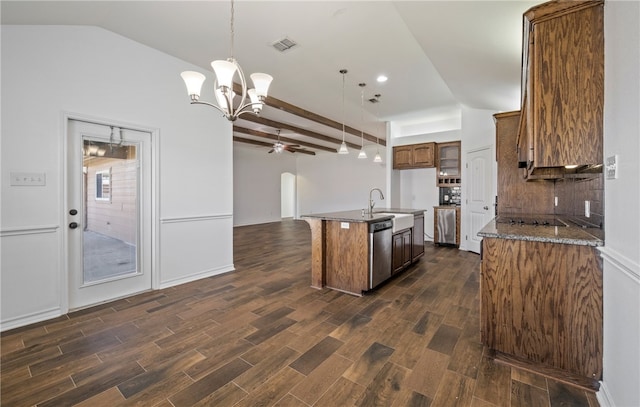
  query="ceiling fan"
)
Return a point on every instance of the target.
[{"x": 279, "y": 146}]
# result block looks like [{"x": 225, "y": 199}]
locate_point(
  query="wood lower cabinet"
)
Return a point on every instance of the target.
[
  {"x": 414, "y": 156},
  {"x": 418, "y": 237},
  {"x": 401, "y": 252},
  {"x": 541, "y": 303},
  {"x": 347, "y": 256}
]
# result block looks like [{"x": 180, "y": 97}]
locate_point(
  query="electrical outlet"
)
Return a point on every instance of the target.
[
  {"x": 587, "y": 209},
  {"x": 611, "y": 168},
  {"x": 28, "y": 179}
]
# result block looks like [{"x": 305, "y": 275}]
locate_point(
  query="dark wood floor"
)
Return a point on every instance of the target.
[{"x": 260, "y": 336}]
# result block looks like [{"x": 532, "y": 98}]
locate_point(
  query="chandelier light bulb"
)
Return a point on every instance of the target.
[{"x": 251, "y": 100}]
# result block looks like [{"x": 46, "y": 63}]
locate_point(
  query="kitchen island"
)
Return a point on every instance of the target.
[
  {"x": 350, "y": 256},
  {"x": 541, "y": 297}
]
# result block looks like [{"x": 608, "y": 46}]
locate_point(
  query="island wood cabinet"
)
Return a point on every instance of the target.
[
  {"x": 448, "y": 164},
  {"x": 541, "y": 307},
  {"x": 340, "y": 249},
  {"x": 562, "y": 87},
  {"x": 418, "y": 237},
  {"x": 408, "y": 245},
  {"x": 414, "y": 156},
  {"x": 401, "y": 252}
]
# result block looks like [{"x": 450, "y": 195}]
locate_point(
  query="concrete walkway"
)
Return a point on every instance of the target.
[{"x": 106, "y": 257}]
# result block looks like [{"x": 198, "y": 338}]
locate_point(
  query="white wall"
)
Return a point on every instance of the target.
[
  {"x": 87, "y": 71},
  {"x": 478, "y": 131},
  {"x": 329, "y": 182},
  {"x": 256, "y": 185},
  {"x": 418, "y": 188},
  {"x": 621, "y": 254}
]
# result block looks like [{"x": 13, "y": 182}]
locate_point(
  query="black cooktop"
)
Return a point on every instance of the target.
[{"x": 529, "y": 220}]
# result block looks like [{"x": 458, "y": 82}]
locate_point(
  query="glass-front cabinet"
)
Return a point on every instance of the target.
[{"x": 448, "y": 168}]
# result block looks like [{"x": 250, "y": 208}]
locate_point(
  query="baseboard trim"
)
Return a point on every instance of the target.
[
  {"x": 24, "y": 320},
  {"x": 603, "y": 396},
  {"x": 197, "y": 276}
]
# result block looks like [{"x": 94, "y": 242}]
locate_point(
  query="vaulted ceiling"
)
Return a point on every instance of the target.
[{"x": 436, "y": 54}]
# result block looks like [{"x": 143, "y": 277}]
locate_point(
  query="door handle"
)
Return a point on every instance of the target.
[
  {"x": 73, "y": 225},
  {"x": 486, "y": 208}
]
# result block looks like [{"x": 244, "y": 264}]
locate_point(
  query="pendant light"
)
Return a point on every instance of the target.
[
  {"x": 362, "y": 154},
  {"x": 378, "y": 157},
  {"x": 343, "y": 147},
  {"x": 225, "y": 71}
]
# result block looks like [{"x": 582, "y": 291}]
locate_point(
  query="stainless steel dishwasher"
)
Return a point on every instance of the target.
[{"x": 380, "y": 245}]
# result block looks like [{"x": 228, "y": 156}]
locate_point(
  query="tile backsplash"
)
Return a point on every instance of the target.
[{"x": 572, "y": 194}]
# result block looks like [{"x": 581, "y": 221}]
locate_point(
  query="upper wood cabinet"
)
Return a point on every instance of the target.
[
  {"x": 516, "y": 195},
  {"x": 413, "y": 156},
  {"x": 562, "y": 86},
  {"x": 448, "y": 163}
]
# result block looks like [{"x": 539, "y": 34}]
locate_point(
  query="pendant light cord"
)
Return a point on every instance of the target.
[
  {"x": 362, "y": 85},
  {"x": 232, "y": 29},
  {"x": 344, "y": 116}
]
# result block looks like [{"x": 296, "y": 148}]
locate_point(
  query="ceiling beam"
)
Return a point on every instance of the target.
[
  {"x": 299, "y": 130},
  {"x": 269, "y": 145},
  {"x": 300, "y": 112},
  {"x": 274, "y": 137}
]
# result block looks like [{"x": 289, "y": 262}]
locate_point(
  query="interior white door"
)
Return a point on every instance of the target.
[
  {"x": 480, "y": 194},
  {"x": 108, "y": 212}
]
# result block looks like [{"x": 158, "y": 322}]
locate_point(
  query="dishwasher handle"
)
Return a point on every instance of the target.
[{"x": 380, "y": 226}]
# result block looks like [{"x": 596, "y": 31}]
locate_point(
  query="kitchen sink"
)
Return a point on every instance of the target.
[{"x": 400, "y": 220}]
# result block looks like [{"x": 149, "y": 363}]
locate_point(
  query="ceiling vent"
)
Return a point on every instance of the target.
[{"x": 284, "y": 44}]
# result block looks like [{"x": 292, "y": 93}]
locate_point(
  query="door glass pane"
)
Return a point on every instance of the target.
[{"x": 110, "y": 195}]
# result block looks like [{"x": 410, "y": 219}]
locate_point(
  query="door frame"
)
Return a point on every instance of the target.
[{"x": 155, "y": 195}]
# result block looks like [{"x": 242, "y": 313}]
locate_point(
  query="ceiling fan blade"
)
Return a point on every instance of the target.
[{"x": 271, "y": 151}]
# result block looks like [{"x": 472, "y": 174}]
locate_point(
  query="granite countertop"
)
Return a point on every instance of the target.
[
  {"x": 358, "y": 216},
  {"x": 547, "y": 234}
]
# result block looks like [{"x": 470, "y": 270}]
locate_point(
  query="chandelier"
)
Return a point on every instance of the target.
[{"x": 225, "y": 71}]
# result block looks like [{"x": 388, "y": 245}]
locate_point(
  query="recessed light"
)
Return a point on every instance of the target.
[{"x": 382, "y": 78}]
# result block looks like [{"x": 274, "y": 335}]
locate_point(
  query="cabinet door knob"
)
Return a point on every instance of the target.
[
  {"x": 73, "y": 225},
  {"x": 486, "y": 208}
]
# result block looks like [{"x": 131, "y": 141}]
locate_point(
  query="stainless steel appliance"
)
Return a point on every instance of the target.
[
  {"x": 380, "y": 246},
  {"x": 446, "y": 226}
]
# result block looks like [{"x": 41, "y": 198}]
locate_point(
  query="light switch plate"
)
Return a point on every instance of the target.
[
  {"x": 28, "y": 179},
  {"x": 611, "y": 167}
]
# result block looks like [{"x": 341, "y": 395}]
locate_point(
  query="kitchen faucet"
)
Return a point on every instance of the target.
[{"x": 371, "y": 203}]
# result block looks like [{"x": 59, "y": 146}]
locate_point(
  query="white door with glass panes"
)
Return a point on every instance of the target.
[{"x": 108, "y": 212}]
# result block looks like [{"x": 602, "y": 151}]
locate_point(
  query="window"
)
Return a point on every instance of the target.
[{"x": 103, "y": 185}]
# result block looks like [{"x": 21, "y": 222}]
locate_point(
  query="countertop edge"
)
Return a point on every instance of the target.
[
  {"x": 356, "y": 216},
  {"x": 564, "y": 235}
]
